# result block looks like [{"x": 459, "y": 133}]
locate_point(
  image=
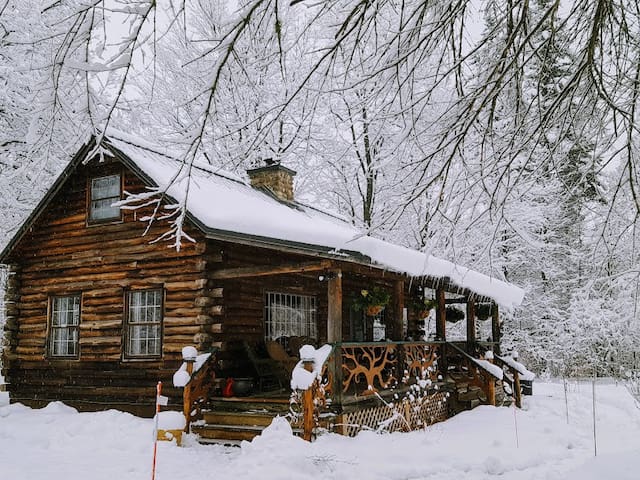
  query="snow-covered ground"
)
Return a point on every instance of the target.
[{"x": 58, "y": 443}]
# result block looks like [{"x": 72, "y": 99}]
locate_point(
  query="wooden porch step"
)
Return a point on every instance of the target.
[
  {"x": 249, "y": 418},
  {"x": 218, "y": 433},
  {"x": 227, "y": 432},
  {"x": 250, "y": 404}
]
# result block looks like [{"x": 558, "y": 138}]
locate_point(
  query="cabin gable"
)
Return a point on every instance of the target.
[{"x": 96, "y": 304}]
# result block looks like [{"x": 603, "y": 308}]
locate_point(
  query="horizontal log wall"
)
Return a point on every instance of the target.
[
  {"x": 240, "y": 302},
  {"x": 62, "y": 255},
  {"x": 243, "y": 299}
]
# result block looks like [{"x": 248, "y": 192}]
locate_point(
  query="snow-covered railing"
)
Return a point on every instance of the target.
[
  {"x": 310, "y": 385},
  {"x": 195, "y": 376},
  {"x": 481, "y": 373},
  {"x": 341, "y": 376},
  {"x": 518, "y": 372}
]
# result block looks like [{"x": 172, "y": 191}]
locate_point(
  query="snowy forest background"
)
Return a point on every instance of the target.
[{"x": 500, "y": 134}]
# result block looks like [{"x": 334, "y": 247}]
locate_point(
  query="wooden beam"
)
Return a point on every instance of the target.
[
  {"x": 264, "y": 270},
  {"x": 334, "y": 310},
  {"x": 495, "y": 328},
  {"x": 378, "y": 272},
  {"x": 471, "y": 325},
  {"x": 454, "y": 301},
  {"x": 398, "y": 308},
  {"x": 441, "y": 315}
]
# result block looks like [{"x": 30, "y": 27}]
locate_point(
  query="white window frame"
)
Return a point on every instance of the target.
[
  {"x": 290, "y": 315},
  {"x": 144, "y": 319},
  {"x": 64, "y": 326},
  {"x": 101, "y": 205}
]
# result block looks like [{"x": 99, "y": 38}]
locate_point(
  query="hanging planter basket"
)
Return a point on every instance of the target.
[
  {"x": 371, "y": 301},
  {"x": 373, "y": 310},
  {"x": 454, "y": 314},
  {"x": 483, "y": 311},
  {"x": 423, "y": 306}
]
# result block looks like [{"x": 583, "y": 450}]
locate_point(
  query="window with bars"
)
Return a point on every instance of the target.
[
  {"x": 104, "y": 192},
  {"x": 288, "y": 315},
  {"x": 65, "y": 323},
  {"x": 144, "y": 323}
]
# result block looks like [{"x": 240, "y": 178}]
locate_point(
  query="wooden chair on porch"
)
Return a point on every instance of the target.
[
  {"x": 277, "y": 352},
  {"x": 271, "y": 373}
]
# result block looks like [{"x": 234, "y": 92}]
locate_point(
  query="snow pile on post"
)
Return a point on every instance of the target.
[
  {"x": 302, "y": 379},
  {"x": 170, "y": 420},
  {"x": 181, "y": 377}
]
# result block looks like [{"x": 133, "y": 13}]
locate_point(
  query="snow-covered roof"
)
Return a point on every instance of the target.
[{"x": 226, "y": 203}]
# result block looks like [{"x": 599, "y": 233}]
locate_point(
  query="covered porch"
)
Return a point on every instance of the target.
[
  {"x": 317, "y": 301},
  {"x": 385, "y": 370}
]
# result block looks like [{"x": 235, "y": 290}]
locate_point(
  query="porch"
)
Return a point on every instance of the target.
[
  {"x": 408, "y": 378},
  {"x": 380, "y": 386}
]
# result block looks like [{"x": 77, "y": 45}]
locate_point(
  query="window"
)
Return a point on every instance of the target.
[
  {"x": 290, "y": 316},
  {"x": 379, "y": 327},
  {"x": 104, "y": 192},
  {"x": 144, "y": 322},
  {"x": 65, "y": 321}
]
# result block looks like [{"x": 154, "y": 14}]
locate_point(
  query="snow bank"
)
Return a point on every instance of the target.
[{"x": 59, "y": 444}]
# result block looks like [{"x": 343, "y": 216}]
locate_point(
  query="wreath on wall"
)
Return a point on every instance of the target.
[{"x": 371, "y": 301}]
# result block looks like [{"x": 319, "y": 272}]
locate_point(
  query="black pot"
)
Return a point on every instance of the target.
[{"x": 242, "y": 386}]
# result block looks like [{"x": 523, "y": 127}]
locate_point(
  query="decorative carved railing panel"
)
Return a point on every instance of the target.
[
  {"x": 368, "y": 368},
  {"x": 420, "y": 360}
]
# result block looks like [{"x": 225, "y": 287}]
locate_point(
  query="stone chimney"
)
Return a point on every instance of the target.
[{"x": 275, "y": 177}]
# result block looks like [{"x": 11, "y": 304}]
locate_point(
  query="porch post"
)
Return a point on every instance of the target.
[
  {"x": 495, "y": 328},
  {"x": 471, "y": 325},
  {"x": 441, "y": 315},
  {"x": 334, "y": 311},
  {"x": 398, "y": 307}
]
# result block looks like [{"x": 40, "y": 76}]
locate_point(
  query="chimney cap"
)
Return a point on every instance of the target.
[{"x": 271, "y": 168}]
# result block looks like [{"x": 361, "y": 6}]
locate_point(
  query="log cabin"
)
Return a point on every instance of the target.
[{"x": 99, "y": 305}]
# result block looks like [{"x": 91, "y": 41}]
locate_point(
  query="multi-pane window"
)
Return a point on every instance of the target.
[
  {"x": 144, "y": 323},
  {"x": 289, "y": 315},
  {"x": 65, "y": 321},
  {"x": 104, "y": 192}
]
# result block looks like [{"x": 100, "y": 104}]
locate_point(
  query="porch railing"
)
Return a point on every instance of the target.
[
  {"x": 199, "y": 388},
  {"x": 356, "y": 371},
  {"x": 467, "y": 369},
  {"x": 362, "y": 376}
]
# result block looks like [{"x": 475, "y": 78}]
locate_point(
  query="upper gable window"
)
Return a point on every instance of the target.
[{"x": 104, "y": 192}]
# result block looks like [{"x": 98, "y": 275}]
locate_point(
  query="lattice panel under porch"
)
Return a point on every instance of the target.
[{"x": 409, "y": 415}]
